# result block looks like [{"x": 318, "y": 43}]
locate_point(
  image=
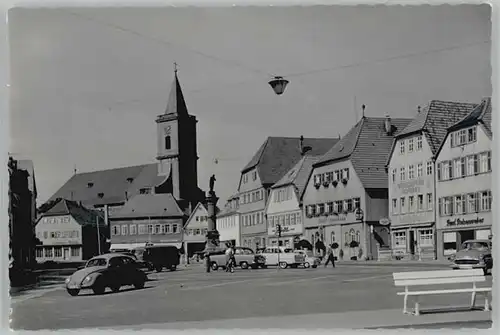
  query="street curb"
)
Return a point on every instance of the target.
[{"x": 375, "y": 319}]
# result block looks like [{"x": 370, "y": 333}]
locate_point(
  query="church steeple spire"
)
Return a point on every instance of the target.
[{"x": 176, "y": 104}]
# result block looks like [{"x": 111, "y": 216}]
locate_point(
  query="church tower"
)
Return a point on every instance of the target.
[{"x": 177, "y": 149}]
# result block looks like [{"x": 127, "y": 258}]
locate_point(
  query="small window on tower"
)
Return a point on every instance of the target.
[{"x": 168, "y": 143}]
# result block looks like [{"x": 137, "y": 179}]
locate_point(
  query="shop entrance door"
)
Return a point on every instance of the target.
[
  {"x": 465, "y": 235},
  {"x": 412, "y": 242}
]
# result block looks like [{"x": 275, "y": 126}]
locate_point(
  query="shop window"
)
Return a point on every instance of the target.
[
  {"x": 483, "y": 234},
  {"x": 75, "y": 251},
  {"x": 115, "y": 230},
  {"x": 48, "y": 252},
  {"x": 449, "y": 243},
  {"x": 57, "y": 252},
  {"x": 426, "y": 238},
  {"x": 124, "y": 230},
  {"x": 399, "y": 239},
  {"x": 39, "y": 252},
  {"x": 133, "y": 229}
]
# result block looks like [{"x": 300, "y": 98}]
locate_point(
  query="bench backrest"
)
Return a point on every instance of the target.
[{"x": 418, "y": 278}]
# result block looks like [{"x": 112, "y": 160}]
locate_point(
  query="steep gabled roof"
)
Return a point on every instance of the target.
[
  {"x": 435, "y": 120},
  {"x": 115, "y": 184},
  {"x": 150, "y": 205},
  {"x": 480, "y": 114},
  {"x": 298, "y": 175},
  {"x": 367, "y": 145},
  {"x": 278, "y": 154},
  {"x": 82, "y": 215},
  {"x": 198, "y": 205}
]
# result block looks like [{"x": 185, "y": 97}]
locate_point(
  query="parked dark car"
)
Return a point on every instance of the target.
[
  {"x": 162, "y": 257},
  {"x": 109, "y": 270}
]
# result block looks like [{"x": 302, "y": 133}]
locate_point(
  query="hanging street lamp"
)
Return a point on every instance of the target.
[{"x": 278, "y": 84}]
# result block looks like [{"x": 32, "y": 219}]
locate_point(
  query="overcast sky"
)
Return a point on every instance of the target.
[{"x": 86, "y": 85}]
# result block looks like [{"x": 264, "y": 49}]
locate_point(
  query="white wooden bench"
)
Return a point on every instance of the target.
[{"x": 426, "y": 278}]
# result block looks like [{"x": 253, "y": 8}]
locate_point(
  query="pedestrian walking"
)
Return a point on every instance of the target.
[
  {"x": 331, "y": 257},
  {"x": 230, "y": 261}
]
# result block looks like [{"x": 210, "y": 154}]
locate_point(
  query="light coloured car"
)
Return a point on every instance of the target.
[
  {"x": 282, "y": 257},
  {"x": 309, "y": 259},
  {"x": 474, "y": 254},
  {"x": 109, "y": 270}
]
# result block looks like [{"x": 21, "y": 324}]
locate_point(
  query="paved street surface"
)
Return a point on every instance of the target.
[{"x": 349, "y": 296}]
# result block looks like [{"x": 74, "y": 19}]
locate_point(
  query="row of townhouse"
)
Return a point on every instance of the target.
[
  {"x": 412, "y": 187},
  {"x": 448, "y": 199}
]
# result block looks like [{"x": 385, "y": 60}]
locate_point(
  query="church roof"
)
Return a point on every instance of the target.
[
  {"x": 176, "y": 105},
  {"x": 367, "y": 145},
  {"x": 278, "y": 154},
  {"x": 82, "y": 215},
  {"x": 111, "y": 186},
  {"x": 150, "y": 205}
]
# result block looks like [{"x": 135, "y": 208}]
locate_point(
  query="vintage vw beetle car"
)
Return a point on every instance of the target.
[
  {"x": 474, "y": 254},
  {"x": 109, "y": 270}
]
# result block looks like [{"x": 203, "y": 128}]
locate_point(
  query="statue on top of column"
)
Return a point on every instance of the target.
[{"x": 212, "y": 184}]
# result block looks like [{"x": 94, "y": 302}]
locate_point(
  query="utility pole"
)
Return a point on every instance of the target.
[
  {"x": 98, "y": 236},
  {"x": 278, "y": 232}
]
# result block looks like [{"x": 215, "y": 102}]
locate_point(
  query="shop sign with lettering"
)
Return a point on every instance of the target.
[
  {"x": 411, "y": 186},
  {"x": 463, "y": 222},
  {"x": 332, "y": 218}
]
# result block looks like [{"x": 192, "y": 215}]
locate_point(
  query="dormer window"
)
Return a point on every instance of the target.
[
  {"x": 100, "y": 195},
  {"x": 89, "y": 185}
]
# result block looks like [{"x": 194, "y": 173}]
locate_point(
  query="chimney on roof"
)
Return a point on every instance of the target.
[
  {"x": 388, "y": 125},
  {"x": 303, "y": 148}
]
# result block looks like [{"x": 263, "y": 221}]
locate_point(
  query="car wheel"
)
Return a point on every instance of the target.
[
  {"x": 115, "y": 288},
  {"x": 307, "y": 265},
  {"x": 283, "y": 265},
  {"x": 139, "y": 285},
  {"x": 173, "y": 268},
  {"x": 244, "y": 265},
  {"x": 98, "y": 288},
  {"x": 73, "y": 291},
  {"x": 158, "y": 268},
  {"x": 215, "y": 267}
]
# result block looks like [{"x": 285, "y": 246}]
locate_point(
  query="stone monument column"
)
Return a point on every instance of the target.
[{"x": 212, "y": 237}]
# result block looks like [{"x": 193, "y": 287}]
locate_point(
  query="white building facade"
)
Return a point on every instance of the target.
[
  {"x": 464, "y": 182},
  {"x": 228, "y": 222},
  {"x": 411, "y": 194}
]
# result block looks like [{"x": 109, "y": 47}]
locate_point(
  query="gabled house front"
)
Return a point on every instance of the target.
[
  {"x": 284, "y": 206},
  {"x": 464, "y": 182},
  {"x": 346, "y": 198},
  {"x": 69, "y": 232},
  {"x": 412, "y": 189},
  {"x": 195, "y": 230},
  {"x": 271, "y": 162}
]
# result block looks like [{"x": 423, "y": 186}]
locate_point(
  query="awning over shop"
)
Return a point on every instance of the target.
[
  {"x": 178, "y": 245},
  {"x": 126, "y": 246}
]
